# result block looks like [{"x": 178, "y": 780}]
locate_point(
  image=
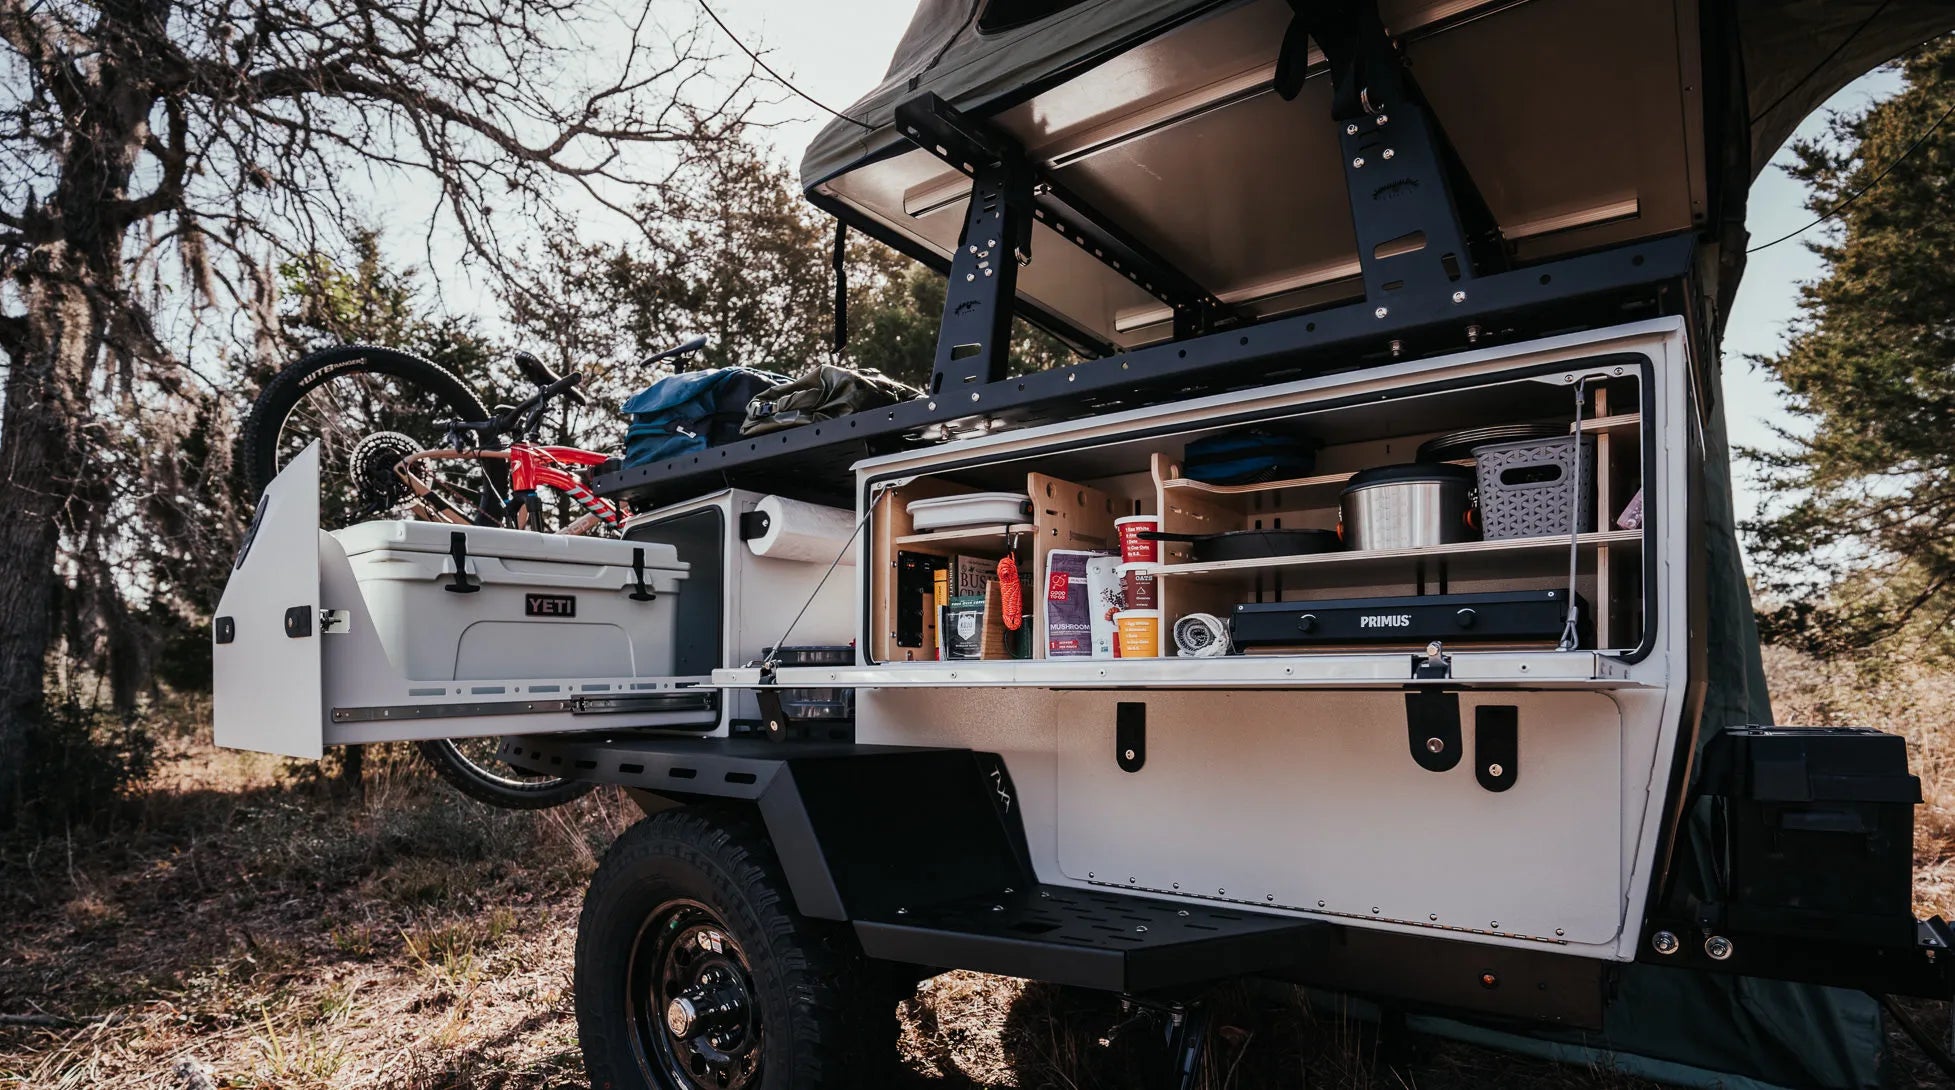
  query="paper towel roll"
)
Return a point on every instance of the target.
[{"x": 803, "y": 531}]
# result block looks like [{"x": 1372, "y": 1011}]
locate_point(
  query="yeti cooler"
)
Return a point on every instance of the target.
[{"x": 469, "y": 602}]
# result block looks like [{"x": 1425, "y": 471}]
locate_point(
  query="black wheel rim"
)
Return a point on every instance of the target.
[
  {"x": 694, "y": 1023},
  {"x": 479, "y": 755}
]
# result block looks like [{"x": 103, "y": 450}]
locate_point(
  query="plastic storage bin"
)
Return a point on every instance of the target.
[
  {"x": 1526, "y": 487},
  {"x": 519, "y": 604},
  {"x": 971, "y": 509}
]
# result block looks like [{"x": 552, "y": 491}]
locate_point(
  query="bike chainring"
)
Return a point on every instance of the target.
[{"x": 372, "y": 469}]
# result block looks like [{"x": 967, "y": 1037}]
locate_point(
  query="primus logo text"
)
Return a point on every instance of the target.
[{"x": 1386, "y": 620}]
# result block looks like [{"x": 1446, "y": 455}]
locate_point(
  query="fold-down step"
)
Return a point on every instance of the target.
[{"x": 1092, "y": 939}]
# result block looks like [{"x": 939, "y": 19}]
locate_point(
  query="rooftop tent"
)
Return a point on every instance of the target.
[{"x": 1590, "y": 130}]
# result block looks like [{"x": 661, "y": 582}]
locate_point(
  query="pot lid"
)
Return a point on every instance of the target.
[{"x": 1408, "y": 473}]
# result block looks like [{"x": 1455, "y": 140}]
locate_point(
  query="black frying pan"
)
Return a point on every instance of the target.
[{"x": 1252, "y": 544}]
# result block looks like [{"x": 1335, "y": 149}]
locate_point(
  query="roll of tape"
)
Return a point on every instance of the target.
[{"x": 1201, "y": 636}]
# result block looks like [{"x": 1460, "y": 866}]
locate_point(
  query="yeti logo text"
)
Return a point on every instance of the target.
[
  {"x": 1385, "y": 620},
  {"x": 549, "y": 605}
]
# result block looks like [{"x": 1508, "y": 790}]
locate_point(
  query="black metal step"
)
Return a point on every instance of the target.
[{"x": 1092, "y": 939}]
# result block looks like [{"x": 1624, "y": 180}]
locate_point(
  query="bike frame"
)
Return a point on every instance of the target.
[{"x": 530, "y": 465}]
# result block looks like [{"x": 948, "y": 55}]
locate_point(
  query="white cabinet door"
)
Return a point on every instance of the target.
[{"x": 266, "y": 660}]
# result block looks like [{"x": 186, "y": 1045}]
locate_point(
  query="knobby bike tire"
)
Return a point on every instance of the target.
[{"x": 259, "y": 441}]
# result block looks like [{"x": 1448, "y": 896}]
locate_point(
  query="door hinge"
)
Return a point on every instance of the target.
[{"x": 335, "y": 622}]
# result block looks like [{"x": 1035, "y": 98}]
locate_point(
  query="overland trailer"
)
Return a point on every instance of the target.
[{"x": 1404, "y": 785}]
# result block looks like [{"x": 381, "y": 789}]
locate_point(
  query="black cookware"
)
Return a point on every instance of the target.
[{"x": 1252, "y": 544}]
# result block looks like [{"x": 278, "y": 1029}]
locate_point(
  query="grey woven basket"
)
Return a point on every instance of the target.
[{"x": 1525, "y": 486}]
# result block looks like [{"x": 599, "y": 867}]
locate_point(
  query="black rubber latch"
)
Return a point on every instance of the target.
[
  {"x": 772, "y": 714},
  {"x": 1432, "y": 729},
  {"x": 225, "y": 629},
  {"x": 458, "y": 551},
  {"x": 298, "y": 622},
  {"x": 754, "y": 524},
  {"x": 1497, "y": 745},
  {"x": 1130, "y": 735},
  {"x": 642, "y": 593}
]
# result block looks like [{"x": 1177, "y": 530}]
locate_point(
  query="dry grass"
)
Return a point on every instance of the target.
[{"x": 246, "y": 922}]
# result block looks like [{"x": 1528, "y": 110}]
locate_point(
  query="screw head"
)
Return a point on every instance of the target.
[
  {"x": 1381, "y": 119},
  {"x": 1389, "y": 153},
  {"x": 974, "y": 395},
  {"x": 1495, "y": 771},
  {"x": 1664, "y": 942},
  {"x": 1142, "y": 928},
  {"x": 1380, "y": 312},
  {"x": 1351, "y": 129},
  {"x": 1719, "y": 948},
  {"x": 1358, "y": 162},
  {"x": 970, "y": 276},
  {"x": 1459, "y": 297},
  {"x": 1435, "y": 745},
  {"x": 1129, "y": 754}
]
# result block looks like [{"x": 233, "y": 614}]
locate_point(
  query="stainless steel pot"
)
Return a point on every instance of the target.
[{"x": 1408, "y": 506}]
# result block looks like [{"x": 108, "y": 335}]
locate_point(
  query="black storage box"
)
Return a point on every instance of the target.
[
  {"x": 1818, "y": 832},
  {"x": 1531, "y": 616},
  {"x": 805, "y": 704}
]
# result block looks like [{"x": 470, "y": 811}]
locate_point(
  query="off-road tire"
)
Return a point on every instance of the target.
[
  {"x": 484, "y": 785},
  {"x": 258, "y": 444},
  {"x": 827, "y": 1013}
]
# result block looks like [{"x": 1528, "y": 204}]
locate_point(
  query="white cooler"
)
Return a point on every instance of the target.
[{"x": 537, "y": 605}]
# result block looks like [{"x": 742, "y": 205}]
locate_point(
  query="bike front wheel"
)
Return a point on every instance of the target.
[
  {"x": 367, "y": 407},
  {"x": 471, "y": 767}
]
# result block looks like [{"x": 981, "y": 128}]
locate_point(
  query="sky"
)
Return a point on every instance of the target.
[{"x": 836, "y": 60}]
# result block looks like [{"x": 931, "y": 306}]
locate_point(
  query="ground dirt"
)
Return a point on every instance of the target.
[{"x": 245, "y": 925}]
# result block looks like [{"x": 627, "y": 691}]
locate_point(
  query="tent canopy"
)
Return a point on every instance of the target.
[{"x": 1582, "y": 123}]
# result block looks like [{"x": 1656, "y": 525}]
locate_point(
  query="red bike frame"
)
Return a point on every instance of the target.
[{"x": 532, "y": 464}]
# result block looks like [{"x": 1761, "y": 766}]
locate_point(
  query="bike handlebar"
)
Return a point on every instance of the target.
[{"x": 520, "y": 417}]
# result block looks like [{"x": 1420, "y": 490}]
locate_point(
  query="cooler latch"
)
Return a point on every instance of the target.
[
  {"x": 642, "y": 593},
  {"x": 458, "y": 556}
]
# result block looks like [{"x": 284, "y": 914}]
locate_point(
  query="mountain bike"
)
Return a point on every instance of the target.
[{"x": 365, "y": 405}]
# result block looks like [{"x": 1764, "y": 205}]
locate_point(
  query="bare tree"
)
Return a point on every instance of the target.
[{"x": 157, "y": 154}]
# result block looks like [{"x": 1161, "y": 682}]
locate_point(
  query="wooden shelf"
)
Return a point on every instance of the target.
[
  {"x": 968, "y": 533},
  {"x": 1617, "y": 538},
  {"x": 1319, "y": 491},
  {"x": 1623, "y": 424}
]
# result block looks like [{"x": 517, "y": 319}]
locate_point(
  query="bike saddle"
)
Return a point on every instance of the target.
[
  {"x": 677, "y": 352},
  {"x": 534, "y": 370}
]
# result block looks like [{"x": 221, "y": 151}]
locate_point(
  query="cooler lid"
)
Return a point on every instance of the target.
[
  {"x": 1583, "y": 124},
  {"x": 413, "y": 536}
]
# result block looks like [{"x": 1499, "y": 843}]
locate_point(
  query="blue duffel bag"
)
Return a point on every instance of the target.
[{"x": 683, "y": 413}]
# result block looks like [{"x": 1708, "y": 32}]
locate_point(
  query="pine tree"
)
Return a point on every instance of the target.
[{"x": 1857, "y": 544}]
